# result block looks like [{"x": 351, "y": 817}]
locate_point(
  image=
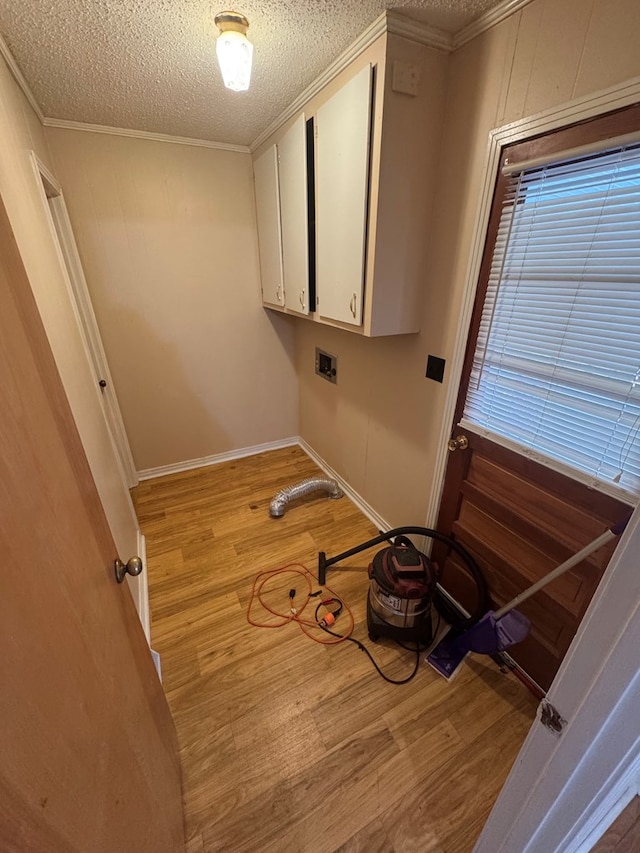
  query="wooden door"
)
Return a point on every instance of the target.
[
  {"x": 89, "y": 757},
  {"x": 520, "y": 518},
  {"x": 342, "y": 188}
]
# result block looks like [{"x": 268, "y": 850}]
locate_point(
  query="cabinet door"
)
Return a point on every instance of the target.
[
  {"x": 344, "y": 127},
  {"x": 265, "y": 173},
  {"x": 292, "y": 175}
]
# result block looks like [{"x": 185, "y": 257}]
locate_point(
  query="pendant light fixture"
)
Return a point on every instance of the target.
[{"x": 234, "y": 50}]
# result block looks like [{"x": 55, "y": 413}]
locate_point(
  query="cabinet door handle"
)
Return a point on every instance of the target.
[
  {"x": 352, "y": 305},
  {"x": 278, "y": 292},
  {"x": 302, "y": 298}
]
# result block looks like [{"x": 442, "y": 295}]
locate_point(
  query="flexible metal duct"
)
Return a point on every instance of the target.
[{"x": 301, "y": 490}]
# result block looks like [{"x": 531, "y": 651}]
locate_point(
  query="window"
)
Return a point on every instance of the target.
[{"x": 556, "y": 370}]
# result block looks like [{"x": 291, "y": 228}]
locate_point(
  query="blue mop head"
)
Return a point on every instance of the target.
[{"x": 488, "y": 637}]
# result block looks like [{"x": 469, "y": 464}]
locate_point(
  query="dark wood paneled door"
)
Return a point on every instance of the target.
[
  {"x": 89, "y": 756},
  {"x": 519, "y": 518}
]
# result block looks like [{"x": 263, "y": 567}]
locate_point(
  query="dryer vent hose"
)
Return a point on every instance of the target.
[{"x": 301, "y": 490}]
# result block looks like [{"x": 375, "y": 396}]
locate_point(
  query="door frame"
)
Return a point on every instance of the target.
[
  {"x": 587, "y": 107},
  {"x": 561, "y": 794},
  {"x": 564, "y": 791},
  {"x": 64, "y": 239}
]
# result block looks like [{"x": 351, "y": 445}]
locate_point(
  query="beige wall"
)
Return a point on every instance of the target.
[
  {"x": 20, "y": 132},
  {"x": 379, "y": 426},
  {"x": 167, "y": 236}
]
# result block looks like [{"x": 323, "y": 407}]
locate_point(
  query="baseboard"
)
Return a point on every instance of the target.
[
  {"x": 358, "y": 500},
  {"x": 191, "y": 464},
  {"x": 216, "y": 459}
]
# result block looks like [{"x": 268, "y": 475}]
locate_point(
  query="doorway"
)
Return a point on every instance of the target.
[
  {"x": 546, "y": 424},
  {"x": 87, "y": 322},
  {"x": 110, "y": 459}
]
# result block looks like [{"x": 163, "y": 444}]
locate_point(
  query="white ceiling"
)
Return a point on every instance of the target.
[{"x": 150, "y": 64}]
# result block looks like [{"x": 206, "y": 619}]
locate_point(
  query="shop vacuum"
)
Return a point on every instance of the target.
[
  {"x": 402, "y": 582},
  {"x": 403, "y": 586}
]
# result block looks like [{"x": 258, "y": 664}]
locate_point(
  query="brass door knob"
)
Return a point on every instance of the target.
[
  {"x": 133, "y": 567},
  {"x": 459, "y": 443}
]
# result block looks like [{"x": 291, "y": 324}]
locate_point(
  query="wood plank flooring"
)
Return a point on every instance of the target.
[{"x": 287, "y": 745}]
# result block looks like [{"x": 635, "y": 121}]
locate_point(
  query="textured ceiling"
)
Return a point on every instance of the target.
[{"x": 150, "y": 64}]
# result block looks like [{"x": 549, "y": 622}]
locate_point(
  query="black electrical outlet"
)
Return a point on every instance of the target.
[{"x": 435, "y": 368}]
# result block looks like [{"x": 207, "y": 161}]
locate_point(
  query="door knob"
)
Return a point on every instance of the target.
[
  {"x": 459, "y": 443},
  {"x": 133, "y": 567}
]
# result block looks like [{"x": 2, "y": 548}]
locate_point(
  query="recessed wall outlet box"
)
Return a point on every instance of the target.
[
  {"x": 326, "y": 365},
  {"x": 435, "y": 368},
  {"x": 406, "y": 78}
]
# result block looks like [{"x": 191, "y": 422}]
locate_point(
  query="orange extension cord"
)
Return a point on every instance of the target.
[{"x": 294, "y": 614}]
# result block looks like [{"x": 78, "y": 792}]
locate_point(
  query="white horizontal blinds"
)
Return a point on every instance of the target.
[{"x": 557, "y": 362}]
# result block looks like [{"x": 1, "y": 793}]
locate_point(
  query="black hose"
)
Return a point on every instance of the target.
[{"x": 442, "y": 603}]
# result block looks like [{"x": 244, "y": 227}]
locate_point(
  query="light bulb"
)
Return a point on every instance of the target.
[{"x": 234, "y": 51}]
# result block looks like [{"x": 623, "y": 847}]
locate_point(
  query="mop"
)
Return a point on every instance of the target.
[{"x": 498, "y": 630}]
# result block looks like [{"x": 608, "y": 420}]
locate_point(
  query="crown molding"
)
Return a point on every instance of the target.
[
  {"x": 142, "y": 134},
  {"x": 387, "y": 22},
  {"x": 14, "y": 68},
  {"x": 400, "y": 25},
  {"x": 373, "y": 31},
  {"x": 18, "y": 76},
  {"x": 490, "y": 18}
]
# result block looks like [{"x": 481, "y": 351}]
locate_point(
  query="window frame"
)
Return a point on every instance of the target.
[{"x": 552, "y": 146}]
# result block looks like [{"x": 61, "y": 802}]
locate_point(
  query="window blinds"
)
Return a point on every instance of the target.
[{"x": 557, "y": 362}]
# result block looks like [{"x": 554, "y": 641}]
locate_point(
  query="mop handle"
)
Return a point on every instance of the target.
[{"x": 605, "y": 537}]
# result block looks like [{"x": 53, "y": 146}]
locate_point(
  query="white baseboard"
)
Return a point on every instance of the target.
[
  {"x": 216, "y": 459},
  {"x": 357, "y": 499}
]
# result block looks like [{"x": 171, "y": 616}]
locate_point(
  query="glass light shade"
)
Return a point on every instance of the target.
[{"x": 234, "y": 52}]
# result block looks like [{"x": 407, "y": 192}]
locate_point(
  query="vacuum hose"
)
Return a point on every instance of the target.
[{"x": 443, "y": 604}]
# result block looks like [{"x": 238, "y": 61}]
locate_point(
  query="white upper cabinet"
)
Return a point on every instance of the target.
[
  {"x": 342, "y": 173},
  {"x": 292, "y": 176},
  {"x": 356, "y": 228},
  {"x": 265, "y": 173}
]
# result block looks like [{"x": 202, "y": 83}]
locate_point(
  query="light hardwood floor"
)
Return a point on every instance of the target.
[{"x": 287, "y": 745}]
